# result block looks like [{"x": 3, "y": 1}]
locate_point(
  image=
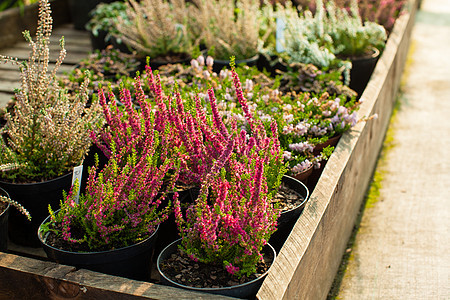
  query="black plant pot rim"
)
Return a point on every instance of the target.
[
  {"x": 42, "y": 239},
  {"x": 158, "y": 262},
  {"x": 304, "y": 200},
  {"x": 36, "y": 183},
  {"x": 238, "y": 61},
  {"x": 4, "y": 193},
  {"x": 375, "y": 54}
]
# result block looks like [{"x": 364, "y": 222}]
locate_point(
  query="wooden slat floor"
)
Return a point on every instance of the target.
[{"x": 77, "y": 44}]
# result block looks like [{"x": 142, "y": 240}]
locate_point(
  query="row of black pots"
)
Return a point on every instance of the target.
[{"x": 135, "y": 261}]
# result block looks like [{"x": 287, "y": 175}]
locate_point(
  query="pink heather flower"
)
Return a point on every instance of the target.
[
  {"x": 231, "y": 269},
  {"x": 326, "y": 113}
]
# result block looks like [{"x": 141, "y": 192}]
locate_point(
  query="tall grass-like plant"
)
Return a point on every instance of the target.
[
  {"x": 47, "y": 132},
  {"x": 230, "y": 28},
  {"x": 156, "y": 28}
]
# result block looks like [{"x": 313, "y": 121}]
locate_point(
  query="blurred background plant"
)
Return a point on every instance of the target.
[{"x": 157, "y": 28}]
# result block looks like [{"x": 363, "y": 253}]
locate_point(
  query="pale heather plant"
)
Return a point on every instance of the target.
[
  {"x": 47, "y": 132},
  {"x": 230, "y": 27},
  {"x": 156, "y": 27},
  {"x": 350, "y": 36},
  {"x": 300, "y": 42}
]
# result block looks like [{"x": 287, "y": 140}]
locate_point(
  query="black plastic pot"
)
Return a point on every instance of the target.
[
  {"x": 34, "y": 197},
  {"x": 133, "y": 262},
  {"x": 362, "y": 69},
  {"x": 220, "y": 64},
  {"x": 242, "y": 291},
  {"x": 288, "y": 218},
  {"x": 4, "y": 224},
  {"x": 98, "y": 42},
  {"x": 80, "y": 9},
  {"x": 271, "y": 64},
  {"x": 156, "y": 63}
]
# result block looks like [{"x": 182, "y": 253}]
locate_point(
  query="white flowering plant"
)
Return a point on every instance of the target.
[{"x": 47, "y": 131}]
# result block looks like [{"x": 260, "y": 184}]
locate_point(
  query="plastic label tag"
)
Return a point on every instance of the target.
[
  {"x": 281, "y": 25},
  {"x": 77, "y": 173}
]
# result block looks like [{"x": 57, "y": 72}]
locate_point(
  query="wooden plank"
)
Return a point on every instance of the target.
[
  {"x": 308, "y": 261},
  {"x": 71, "y": 58},
  {"x": 13, "y": 22},
  {"x": 14, "y": 68},
  {"x": 75, "y": 47},
  {"x": 4, "y": 99},
  {"x": 48, "y": 280},
  {"x": 7, "y": 86}
]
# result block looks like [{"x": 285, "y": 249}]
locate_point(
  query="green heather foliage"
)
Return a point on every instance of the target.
[
  {"x": 47, "y": 132},
  {"x": 104, "y": 17}
]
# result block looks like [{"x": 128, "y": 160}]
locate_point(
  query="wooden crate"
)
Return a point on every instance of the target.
[{"x": 307, "y": 263}]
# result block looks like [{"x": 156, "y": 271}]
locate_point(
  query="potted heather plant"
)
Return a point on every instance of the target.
[
  {"x": 353, "y": 39},
  {"x": 158, "y": 29},
  {"x": 229, "y": 28},
  {"x": 224, "y": 231},
  {"x": 46, "y": 134},
  {"x": 112, "y": 227},
  {"x": 102, "y": 24}
]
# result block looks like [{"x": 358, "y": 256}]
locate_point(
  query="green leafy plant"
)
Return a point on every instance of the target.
[{"x": 104, "y": 18}]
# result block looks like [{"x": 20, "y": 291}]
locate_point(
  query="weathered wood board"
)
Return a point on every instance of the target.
[
  {"x": 310, "y": 257},
  {"x": 26, "y": 278}
]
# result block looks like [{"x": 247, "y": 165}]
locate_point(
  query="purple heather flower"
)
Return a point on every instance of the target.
[
  {"x": 209, "y": 61},
  {"x": 195, "y": 64},
  {"x": 287, "y": 155},
  {"x": 248, "y": 85},
  {"x": 201, "y": 60}
]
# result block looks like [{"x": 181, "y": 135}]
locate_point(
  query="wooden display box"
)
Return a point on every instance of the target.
[{"x": 308, "y": 262}]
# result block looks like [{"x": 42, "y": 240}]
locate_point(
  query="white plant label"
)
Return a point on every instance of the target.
[
  {"x": 77, "y": 173},
  {"x": 281, "y": 25}
]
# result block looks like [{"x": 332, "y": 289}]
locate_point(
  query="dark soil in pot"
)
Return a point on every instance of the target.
[
  {"x": 177, "y": 269},
  {"x": 134, "y": 261}
]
